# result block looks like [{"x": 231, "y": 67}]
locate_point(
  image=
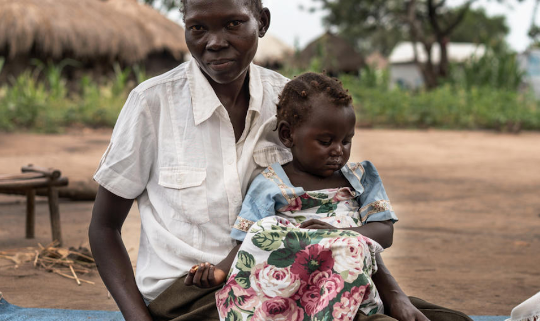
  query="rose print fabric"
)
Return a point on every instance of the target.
[
  {"x": 282, "y": 272},
  {"x": 336, "y": 206}
]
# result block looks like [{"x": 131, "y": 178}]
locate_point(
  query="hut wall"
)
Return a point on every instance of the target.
[{"x": 160, "y": 62}]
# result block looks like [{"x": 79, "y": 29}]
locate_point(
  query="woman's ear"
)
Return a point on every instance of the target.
[
  {"x": 264, "y": 22},
  {"x": 285, "y": 133}
]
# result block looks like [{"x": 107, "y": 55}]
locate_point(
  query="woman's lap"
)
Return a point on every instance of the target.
[
  {"x": 183, "y": 303},
  {"x": 431, "y": 311}
]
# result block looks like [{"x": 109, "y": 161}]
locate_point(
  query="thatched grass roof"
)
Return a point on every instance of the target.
[
  {"x": 336, "y": 53},
  {"x": 272, "y": 50},
  {"x": 122, "y": 30}
]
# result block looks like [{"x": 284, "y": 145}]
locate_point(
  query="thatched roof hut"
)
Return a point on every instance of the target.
[
  {"x": 114, "y": 30},
  {"x": 336, "y": 55},
  {"x": 272, "y": 52}
]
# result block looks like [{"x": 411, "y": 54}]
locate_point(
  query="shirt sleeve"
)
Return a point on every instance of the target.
[
  {"x": 374, "y": 203},
  {"x": 258, "y": 204},
  {"x": 125, "y": 166}
]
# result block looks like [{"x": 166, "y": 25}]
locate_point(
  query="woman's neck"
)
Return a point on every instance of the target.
[{"x": 232, "y": 95}]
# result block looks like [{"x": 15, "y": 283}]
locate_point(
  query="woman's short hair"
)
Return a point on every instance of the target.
[{"x": 256, "y": 6}]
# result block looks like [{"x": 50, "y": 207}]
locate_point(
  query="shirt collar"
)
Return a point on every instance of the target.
[{"x": 205, "y": 101}]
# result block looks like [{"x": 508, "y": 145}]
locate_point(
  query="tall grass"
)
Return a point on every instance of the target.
[
  {"x": 482, "y": 95},
  {"x": 39, "y": 100},
  {"x": 448, "y": 107}
]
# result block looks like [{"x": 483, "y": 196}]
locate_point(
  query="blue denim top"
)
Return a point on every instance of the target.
[{"x": 272, "y": 190}]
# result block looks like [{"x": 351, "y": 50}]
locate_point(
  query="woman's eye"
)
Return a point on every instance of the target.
[
  {"x": 234, "y": 23},
  {"x": 196, "y": 28},
  {"x": 346, "y": 142}
]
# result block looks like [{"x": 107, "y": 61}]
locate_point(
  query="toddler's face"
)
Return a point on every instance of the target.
[
  {"x": 322, "y": 142},
  {"x": 222, "y": 36}
]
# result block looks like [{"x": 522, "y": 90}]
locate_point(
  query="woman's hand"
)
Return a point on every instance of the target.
[
  {"x": 205, "y": 275},
  {"x": 317, "y": 225},
  {"x": 403, "y": 310}
]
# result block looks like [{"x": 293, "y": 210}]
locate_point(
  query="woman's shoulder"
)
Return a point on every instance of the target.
[
  {"x": 271, "y": 77},
  {"x": 179, "y": 73}
]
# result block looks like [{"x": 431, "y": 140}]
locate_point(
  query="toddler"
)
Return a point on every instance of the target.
[{"x": 303, "y": 224}]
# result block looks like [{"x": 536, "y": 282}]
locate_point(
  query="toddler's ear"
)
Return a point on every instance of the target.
[{"x": 285, "y": 134}]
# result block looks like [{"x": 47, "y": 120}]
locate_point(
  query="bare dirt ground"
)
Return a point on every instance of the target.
[{"x": 468, "y": 202}]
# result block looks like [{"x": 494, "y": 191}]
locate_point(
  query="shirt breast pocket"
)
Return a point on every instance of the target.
[{"x": 185, "y": 191}]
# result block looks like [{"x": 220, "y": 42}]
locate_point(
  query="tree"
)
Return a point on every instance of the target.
[
  {"x": 428, "y": 22},
  {"x": 164, "y": 5},
  {"x": 477, "y": 27},
  {"x": 534, "y": 30}
]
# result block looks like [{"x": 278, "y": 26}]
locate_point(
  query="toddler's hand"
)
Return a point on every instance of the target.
[
  {"x": 317, "y": 225},
  {"x": 205, "y": 275}
]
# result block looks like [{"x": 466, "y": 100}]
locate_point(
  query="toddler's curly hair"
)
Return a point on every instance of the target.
[
  {"x": 294, "y": 101},
  {"x": 256, "y": 6}
]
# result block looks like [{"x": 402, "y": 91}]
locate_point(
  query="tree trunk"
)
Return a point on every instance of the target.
[{"x": 444, "y": 64}]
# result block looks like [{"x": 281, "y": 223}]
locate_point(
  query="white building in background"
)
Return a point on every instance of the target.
[
  {"x": 405, "y": 73},
  {"x": 529, "y": 61}
]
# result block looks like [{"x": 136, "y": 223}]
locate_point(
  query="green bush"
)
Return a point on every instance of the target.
[
  {"x": 41, "y": 102},
  {"x": 445, "y": 107}
]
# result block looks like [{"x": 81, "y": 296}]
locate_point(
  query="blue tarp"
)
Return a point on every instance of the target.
[{"x": 10, "y": 312}]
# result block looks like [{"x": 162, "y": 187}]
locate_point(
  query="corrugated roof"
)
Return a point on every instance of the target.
[{"x": 457, "y": 52}]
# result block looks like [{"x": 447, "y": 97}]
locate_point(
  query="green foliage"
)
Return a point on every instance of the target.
[
  {"x": 477, "y": 27},
  {"x": 39, "y": 100},
  {"x": 164, "y": 5},
  {"x": 497, "y": 68},
  {"x": 449, "y": 107}
]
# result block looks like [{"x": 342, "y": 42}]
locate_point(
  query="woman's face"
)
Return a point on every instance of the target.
[{"x": 222, "y": 36}]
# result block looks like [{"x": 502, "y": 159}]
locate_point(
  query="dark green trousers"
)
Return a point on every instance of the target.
[{"x": 189, "y": 303}]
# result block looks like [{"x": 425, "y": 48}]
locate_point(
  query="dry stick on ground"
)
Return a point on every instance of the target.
[
  {"x": 70, "y": 277},
  {"x": 36, "y": 258},
  {"x": 74, "y": 274}
]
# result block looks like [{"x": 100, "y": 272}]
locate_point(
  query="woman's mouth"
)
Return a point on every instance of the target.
[{"x": 220, "y": 65}]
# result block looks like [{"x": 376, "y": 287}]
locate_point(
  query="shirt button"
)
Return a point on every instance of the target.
[{"x": 230, "y": 161}]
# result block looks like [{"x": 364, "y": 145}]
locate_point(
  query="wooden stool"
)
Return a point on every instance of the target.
[{"x": 34, "y": 179}]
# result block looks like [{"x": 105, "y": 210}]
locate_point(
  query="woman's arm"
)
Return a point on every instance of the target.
[
  {"x": 396, "y": 302},
  {"x": 381, "y": 232},
  {"x": 112, "y": 260}
]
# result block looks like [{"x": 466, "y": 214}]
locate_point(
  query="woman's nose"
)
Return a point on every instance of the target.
[{"x": 216, "y": 41}]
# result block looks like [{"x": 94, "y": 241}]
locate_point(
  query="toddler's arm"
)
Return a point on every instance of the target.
[
  {"x": 382, "y": 232},
  {"x": 206, "y": 275}
]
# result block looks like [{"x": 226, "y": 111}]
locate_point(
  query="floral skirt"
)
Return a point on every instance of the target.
[{"x": 282, "y": 272}]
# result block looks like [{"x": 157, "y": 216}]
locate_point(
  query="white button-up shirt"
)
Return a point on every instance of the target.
[{"x": 173, "y": 149}]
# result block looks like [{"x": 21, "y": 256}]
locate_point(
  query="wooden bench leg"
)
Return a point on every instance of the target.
[
  {"x": 55, "y": 215},
  {"x": 30, "y": 213}
]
